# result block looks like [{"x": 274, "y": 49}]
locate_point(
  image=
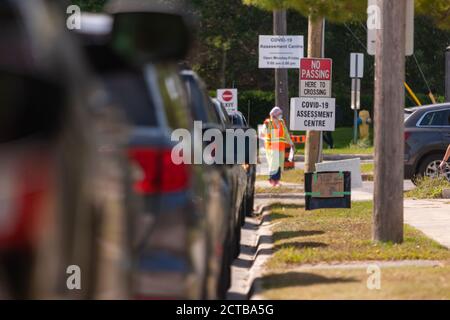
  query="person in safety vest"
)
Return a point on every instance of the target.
[{"x": 277, "y": 138}]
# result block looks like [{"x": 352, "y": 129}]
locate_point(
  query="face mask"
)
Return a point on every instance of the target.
[{"x": 280, "y": 117}]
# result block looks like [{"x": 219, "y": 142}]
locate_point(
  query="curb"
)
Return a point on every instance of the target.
[{"x": 261, "y": 250}]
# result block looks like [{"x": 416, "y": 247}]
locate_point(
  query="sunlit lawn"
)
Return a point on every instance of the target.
[
  {"x": 344, "y": 236},
  {"x": 342, "y": 143},
  {"x": 341, "y": 235}
]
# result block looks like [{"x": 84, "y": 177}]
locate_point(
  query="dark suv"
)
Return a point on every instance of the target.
[{"x": 427, "y": 135}]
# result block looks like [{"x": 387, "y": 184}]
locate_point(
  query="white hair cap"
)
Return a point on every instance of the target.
[{"x": 275, "y": 112}]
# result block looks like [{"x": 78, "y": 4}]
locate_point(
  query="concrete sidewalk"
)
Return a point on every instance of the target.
[{"x": 432, "y": 217}]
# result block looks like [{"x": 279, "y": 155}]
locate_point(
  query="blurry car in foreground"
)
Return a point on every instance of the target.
[
  {"x": 179, "y": 238},
  {"x": 427, "y": 136},
  {"x": 63, "y": 181},
  {"x": 238, "y": 121}
]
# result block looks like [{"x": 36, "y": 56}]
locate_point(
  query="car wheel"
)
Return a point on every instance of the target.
[{"x": 430, "y": 168}]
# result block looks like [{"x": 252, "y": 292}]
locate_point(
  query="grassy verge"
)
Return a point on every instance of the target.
[
  {"x": 343, "y": 143},
  {"x": 279, "y": 190},
  {"x": 297, "y": 175},
  {"x": 428, "y": 189},
  {"x": 396, "y": 283},
  {"x": 367, "y": 168},
  {"x": 337, "y": 235},
  {"x": 290, "y": 176}
]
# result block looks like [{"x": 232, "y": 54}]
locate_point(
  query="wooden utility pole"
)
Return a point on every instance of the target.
[
  {"x": 315, "y": 38},
  {"x": 281, "y": 75},
  {"x": 447, "y": 74},
  {"x": 389, "y": 131}
]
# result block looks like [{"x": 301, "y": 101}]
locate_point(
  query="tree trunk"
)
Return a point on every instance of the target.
[
  {"x": 281, "y": 75},
  {"x": 389, "y": 129},
  {"x": 315, "y": 29}
]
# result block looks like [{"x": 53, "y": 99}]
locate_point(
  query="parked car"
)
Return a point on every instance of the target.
[
  {"x": 179, "y": 235},
  {"x": 203, "y": 110},
  {"x": 64, "y": 201},
  {"x": 427, "y": 136},
  {"x": 238, "y": 121}
]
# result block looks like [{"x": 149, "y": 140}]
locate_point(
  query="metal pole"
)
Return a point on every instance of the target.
[
  {"x": 447, "y": 74},
  {"x": 355, "y": 127},
  {"x": 323, "y": 56}
]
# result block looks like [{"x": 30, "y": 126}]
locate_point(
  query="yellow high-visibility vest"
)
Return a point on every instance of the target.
[{"x": 275, "y": 135}]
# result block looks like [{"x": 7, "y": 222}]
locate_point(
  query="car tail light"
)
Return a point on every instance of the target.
[
  {"x": 159, "y": 173},
  {"x": 407, "y": 135},
  {"x": 24, "y": 189}
]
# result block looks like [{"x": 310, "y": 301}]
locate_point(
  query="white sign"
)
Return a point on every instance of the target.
[
  {"x": 313, "y": 114},
  {"x": 280, "y": 52},
  {"x": 315, "y": 77},
  {"x": 374, "y": 24},
  {"x": 229, "y": 99},
  {"x": 356, "y": 65}
]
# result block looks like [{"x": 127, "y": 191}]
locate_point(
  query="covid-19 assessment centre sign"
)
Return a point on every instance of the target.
[
  {"x": 314, "y": 110},
  {"x": 280, "y": 52}
]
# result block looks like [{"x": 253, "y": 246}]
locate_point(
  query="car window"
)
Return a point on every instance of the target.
[
  {"x": 200, "y": 102},
  {"x": 237, "y": 120},
  {"x": 174, "y": 98},
  {"x": 438, "y": 118},
  {"x": 129, "y": 93},
  {"x": 222, "y": 113}
]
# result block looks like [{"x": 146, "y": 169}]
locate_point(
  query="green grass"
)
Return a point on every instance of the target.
[
  {"x": 367, "y": 168},
  {"x": 336, "y": 235},
  {"x": 297, "y": 175},
  {"x": 278, "y": 190},
  {"x": 342, "y": 143},
  {"x": 428, "y": 188},
  {"x": 291, "y": 176},
  {"x": 418, "y": 283}
]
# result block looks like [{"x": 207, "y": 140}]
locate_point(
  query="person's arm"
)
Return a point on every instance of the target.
[
  {"x": 287, "y": 135},
  {"x": 446, "y": 157}
]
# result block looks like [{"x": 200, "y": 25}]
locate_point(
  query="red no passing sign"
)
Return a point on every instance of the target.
[{"x": 315, "y": 77}]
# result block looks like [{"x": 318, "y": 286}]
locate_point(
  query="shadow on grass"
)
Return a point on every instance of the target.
[
  {"x": 301, "y": 245},
  {"x": 294, "y": 279},
  {"x": 295, "y": 234}
]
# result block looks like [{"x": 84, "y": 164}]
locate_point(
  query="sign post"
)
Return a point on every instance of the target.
[
  {"x": 229, "y": 99},
  {"x": 356, "y": 73}
]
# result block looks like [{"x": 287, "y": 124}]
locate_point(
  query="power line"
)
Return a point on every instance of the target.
[
  {"x": 421, "y": 72},
  {"x": 354, "y": 36}
]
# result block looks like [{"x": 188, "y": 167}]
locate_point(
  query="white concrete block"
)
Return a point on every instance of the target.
[
  {"x": 446, "y": 193},
  {"x": 352, "y": 165}
]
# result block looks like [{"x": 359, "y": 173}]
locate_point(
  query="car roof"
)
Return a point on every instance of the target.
[{"x": 430, "y": 107}]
